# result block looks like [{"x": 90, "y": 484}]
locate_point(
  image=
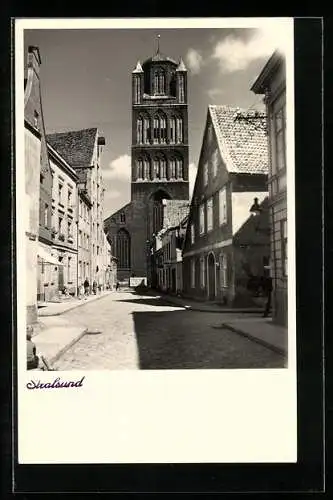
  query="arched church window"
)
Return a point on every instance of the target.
[
  {"x": 181, "y": 89},
  {"x": 140, "y": 168},
  {"x": 179, "y": 129},
  {"x": 162, "y": 167},
  {"x": 156, "y": 168},
  {"x": 172, "y": 168},
  {"x": 163, "y": 129},
  {"x": 156, "y": 129},
  {"x": 146, "y": 169},
  {"x": 139, "y": 130},
  {"x": 159, "y": 82},
  {"x": 180, "y": 168},
  {"x": 146, "y": 130},
  {"x": 172, "y": 130},
  {"x": 123, "y": 249}
]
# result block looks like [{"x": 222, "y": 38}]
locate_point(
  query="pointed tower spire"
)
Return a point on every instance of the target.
[
  {"x": 181, "y": 66},
  {"x": 138, "y": 68},
  {"x": 158, "y": 44}
]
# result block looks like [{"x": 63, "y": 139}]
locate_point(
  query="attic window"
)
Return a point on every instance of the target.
[{"x": 122, "y": 218}]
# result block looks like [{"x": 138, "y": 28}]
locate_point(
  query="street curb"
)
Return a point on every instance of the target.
[
  {"x": 71, "y": 308},
  {"x": 194, "y": 308},
  {"x": 67, "y": 346},
  {"x": 268, "y": 345}
]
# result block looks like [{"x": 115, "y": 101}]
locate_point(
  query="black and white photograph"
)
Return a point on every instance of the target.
[{"x": 155, "y": 215}]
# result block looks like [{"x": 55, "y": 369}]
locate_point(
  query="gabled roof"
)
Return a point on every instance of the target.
[
  {"x": 75, "y": 146},
  {"x": 114, "y": 214},
  {"x": 243, "y": 146},
  {"x": 175, "y": 211}
]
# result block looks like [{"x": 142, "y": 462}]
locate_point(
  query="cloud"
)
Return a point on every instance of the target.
[
  {"x": 119, "y": 169},
  {"x": 235, "y": 54},
  {"x": 194, "y": 61},
  {"x": 192, "y": 173},
  {"x": 214, "y": 92}
]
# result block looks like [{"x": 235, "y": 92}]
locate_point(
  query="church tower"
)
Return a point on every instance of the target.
[
  {"x": 159, "y": 161},
  {"x": 159, "y": 153}
]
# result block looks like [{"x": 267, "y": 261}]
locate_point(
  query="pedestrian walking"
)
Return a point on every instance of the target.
[
  {"x": 268, "y": 288},
  {"x": 86, "y": 287},
  {"x": 81, "y": 291},
  {"x": 117, "y": 286},
  {"x": 94, "y": 287}
]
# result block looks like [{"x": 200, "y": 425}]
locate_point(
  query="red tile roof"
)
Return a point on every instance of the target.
[
  {"x": 75, "y": 146},
  {"x": 243, "y": 145}
]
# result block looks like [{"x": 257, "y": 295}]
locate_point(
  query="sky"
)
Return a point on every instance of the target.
[{"x": 86, "y": 82}]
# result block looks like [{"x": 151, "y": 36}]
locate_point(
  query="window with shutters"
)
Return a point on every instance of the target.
[
  {"x": 223, "y": 205},
  {"x": 202, "y": 218},
  {"x": 210, "y": 214}
]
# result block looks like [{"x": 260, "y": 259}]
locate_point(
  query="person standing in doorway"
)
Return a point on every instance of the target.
[
  {"x": 268, "y": 287},
  {"x": 86, "y": 287}
]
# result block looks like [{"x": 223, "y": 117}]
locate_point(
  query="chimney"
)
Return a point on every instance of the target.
[{"x": 34, "y": 60}]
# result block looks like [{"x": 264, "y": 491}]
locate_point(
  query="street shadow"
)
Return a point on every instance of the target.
[
  {"x": 176, "y": 340},
  {"x": 149, "y": 301}
]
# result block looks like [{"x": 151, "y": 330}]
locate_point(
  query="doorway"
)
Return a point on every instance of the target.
[{"x": 211, "y": 277}]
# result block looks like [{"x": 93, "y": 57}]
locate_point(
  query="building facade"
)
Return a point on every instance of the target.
[
  {"x": 64, "y": 222},
  {"x": 168, "y": 257},
  {"x": 159, "y": 161},
  {"x": 40, "y": 263},
  {"x": 82, "y": 151},
  {"x": 232, "y": 171},
  {"x": 272, "y": 83}
]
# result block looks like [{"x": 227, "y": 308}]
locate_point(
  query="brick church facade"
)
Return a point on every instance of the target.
[{"x": 159, "y": 162}]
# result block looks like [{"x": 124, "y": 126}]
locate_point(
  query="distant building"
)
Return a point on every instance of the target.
[
  {"x": 232, "y": 171},
  {"x": 64, "y": 222},
  {"x": 168, "y": 258},
  {"x": 272, "y": 83},
  {"x": 38, "y": 184},
  {"x": 82, "y": 150},
  {"x": 159, "y": 161}
]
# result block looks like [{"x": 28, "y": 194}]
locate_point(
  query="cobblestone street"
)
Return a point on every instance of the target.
[{"x": 146, "y": 333}]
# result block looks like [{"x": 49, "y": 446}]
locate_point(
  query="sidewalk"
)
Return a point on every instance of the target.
[
  {"x": 205, "y": 306},
  {"x": 260, "y": 330},
  {"x": 57, "y": 308},
  {"x": 54, "y": 336}
]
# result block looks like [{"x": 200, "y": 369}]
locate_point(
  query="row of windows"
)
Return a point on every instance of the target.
[
  {"x": 163, "y": 130},
  {"x": 159, "y": 86},
  {"x": 206, "y": 219},
  {"x": 61, "y": 196},
  {"x": 159, "y": 168},
  {"x": 203, "y": 270}
]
